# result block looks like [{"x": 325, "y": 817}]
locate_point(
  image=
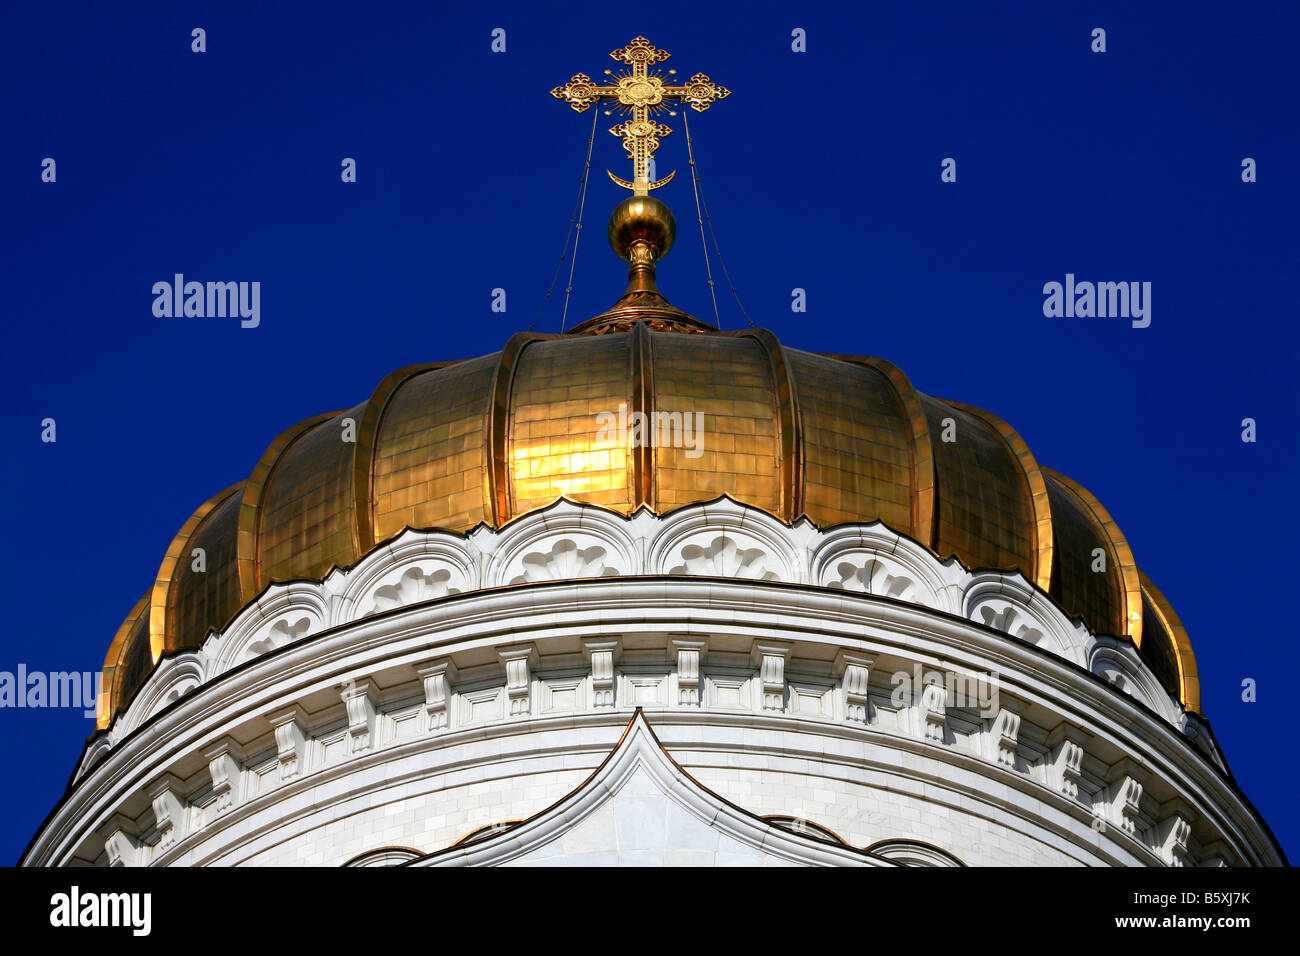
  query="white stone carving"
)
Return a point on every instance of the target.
[
  {"x": 601, "y": 656},
  {"x": 359, "y": 701},
  {"x": 563, "y": 542},
  {"x": 416, "y": 584},
  {"x": 1005, "y": 733},
  {"x": 1010, "y": 604},
  {"x": 1065, "y": 758},
  {"x": 563, "y": 561},
  {"x": 1117, "y": 662},
  {"x": 725, "y": 539},
  {"x": 1172, "y": 836},
  {"x": 871, "y": 559},
  {"x": 283, "y": 614},
  {"x": 568, "y": 540},
  {"x": 176, "y": 676},
  {"x": 934, "y": 710},
  {"x": 416, "y": 566},
  {"x": 290, "y": 739},
  {"x": 437, "y": 678},
  {"x": 854, "y": 671},
  {"x": 642, "y": 808},
  {"x": 724, "y": 558},
  {"x": 1125, "y": 795},
  {"x": 123, "y": 849},
  {"x": 284, "y": 631},
  {"x": 225, "y": 759},
  {"x": 688, "y": 656},
  {"x": 875, "y": 575},
  {"x": 169, "y": 811},
  {"x": 518, "y": 662},
  {"x": 770, "y": 657},
  {"x": 810, "y": 640}
]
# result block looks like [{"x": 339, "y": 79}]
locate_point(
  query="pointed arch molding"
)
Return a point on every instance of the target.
[
  {"x": 1122, "y": 552},
  {"x": 569, "y": 540},
  {"x": 641, "y": 766}
]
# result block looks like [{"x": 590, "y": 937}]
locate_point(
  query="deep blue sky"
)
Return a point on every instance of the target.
[{"x": 821, "y": 172}]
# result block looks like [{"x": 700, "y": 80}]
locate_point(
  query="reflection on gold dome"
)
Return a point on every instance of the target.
[{"x": 834, "y": 438}]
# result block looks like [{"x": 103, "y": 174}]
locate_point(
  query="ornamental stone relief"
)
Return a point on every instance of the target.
[
  {"x": 415, "y": 584},
  {"x": 564, "y": 560},
  {"x": 723, "y": 558},
  {"x": 571, "y": 541}
]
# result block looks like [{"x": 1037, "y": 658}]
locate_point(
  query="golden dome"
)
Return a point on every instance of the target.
[{"x": 836, "y": 438}]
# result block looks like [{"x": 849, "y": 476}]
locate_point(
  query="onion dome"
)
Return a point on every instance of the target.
[{"x": 833, "y": 438}]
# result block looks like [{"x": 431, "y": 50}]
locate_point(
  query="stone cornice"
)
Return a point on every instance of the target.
[{"x": 732, "y": 617}]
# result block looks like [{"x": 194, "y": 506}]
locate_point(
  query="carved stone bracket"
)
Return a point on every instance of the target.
[
  {"x": 688, "y": 655},
  {"x": 519, "y": 661},
  {"x": 602, "y": 654},
  {"x": 770, "y": 657},
  {"x": 934, "y": 710},
  {"x": 169, "y": 810},
  {"x": 1065, "y": 758},
  {"x": 854, "y": 671},
  {"x": 438, "y": 678},
  {"x": 1125, "y": 794},
  {"x": 1005, "y": 733},
  {"x": 290, "y": 739},
  {"x": 359, "y": 699},
  {"x": 121, "y": 845},
  {"x": 225, "y": 764}
]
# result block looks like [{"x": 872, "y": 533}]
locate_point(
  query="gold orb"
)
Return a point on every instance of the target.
[{"x": 642, "y": 219}]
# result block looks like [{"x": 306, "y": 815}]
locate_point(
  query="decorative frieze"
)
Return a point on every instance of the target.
[
  {"x": 438, "y": 678},
  {"x": 571, "y": 541}
]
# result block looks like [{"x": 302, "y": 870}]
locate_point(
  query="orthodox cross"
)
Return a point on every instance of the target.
[{"x": 642, "y": 94}]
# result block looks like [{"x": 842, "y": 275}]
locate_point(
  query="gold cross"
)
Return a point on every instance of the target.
[{"x": 642, "y": 94}]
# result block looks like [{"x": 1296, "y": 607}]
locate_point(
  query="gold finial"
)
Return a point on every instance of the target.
[
  {"x": 641, "y": 228},
  {"x": 642, "y": 94}
]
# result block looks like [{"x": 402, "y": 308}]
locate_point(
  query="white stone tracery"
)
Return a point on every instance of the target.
[{"x": 732, "y": 655}]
